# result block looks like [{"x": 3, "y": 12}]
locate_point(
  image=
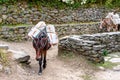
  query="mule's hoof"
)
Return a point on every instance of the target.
[
  {"x": 44, "y": 67},
  {"x": 39, "y": 73}
]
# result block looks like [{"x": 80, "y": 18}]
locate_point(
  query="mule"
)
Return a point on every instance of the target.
[
  {"x": 108, "y": 24},
  {"x": 41, "y": 44}
]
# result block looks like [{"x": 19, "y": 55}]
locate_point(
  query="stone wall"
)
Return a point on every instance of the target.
[
  {"x": 78, "y": 29},
  {"x": 91, "y": 46},
  {"x": 20, "y": 33},
  {"x": 24, "y": 14},
  {"x": 14, "y": 33}
]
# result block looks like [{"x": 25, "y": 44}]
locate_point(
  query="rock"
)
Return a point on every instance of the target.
[
  {"x": 116, "y": 68},
  {"x": 107, "y": 58},
  {"x": 21, "y": 31},
  {"x": 101, "y": 68},
  {"x": 1, "y": 67},
  {"x": 20, "y": 56},
  {"x": 98, "y": 47},
  {"x": 4, "y": 8},
  {"x": 113, "y": 55},
  {"x": 19, "y": 20},
  {"x": 115, "y": 60},
  {"x": 0, "y": 20},
  {"x": 4, "y": 47},
  {"x": 93, "y": 48},
  {"x": 4, "y": 17}
]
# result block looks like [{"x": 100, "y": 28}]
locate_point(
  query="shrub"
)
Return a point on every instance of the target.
[
  {"x": 105, "y": 53},
  {"x": 66, "y": 3},
  {"x": 7, "y": 1},
  {"x": 108, "y": 3}
]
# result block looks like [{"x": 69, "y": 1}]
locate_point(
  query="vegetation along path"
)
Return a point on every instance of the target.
[{"x": 65, "y": 67}]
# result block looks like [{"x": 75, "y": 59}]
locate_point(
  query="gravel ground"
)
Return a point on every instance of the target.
[{"x": 58, "y": 68}]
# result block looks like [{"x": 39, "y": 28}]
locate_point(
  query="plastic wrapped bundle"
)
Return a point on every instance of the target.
[
  {"x": 37, "y": 29},
  {"x": 52, "y": 34}
]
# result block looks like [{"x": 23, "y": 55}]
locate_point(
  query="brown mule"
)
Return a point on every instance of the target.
[
  {"x": 108, "y": 24},
  {"x": 41, "y": 44}
]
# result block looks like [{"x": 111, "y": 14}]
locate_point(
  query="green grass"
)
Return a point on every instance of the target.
[
  {"x": 87, "y": 77},
  {"x": 17, "y": 25},
  {"x": 58, "y": 4},
  {"x": 108, "y": 65},
  {"x": 105, "y": 52},
  {"x": 3, "y": 58},
  {"x": 67, "y": 54},
  {"x": 50, "y": 4}
]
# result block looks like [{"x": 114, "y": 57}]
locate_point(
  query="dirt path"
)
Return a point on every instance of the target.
[{"x": 57, "y": 68}]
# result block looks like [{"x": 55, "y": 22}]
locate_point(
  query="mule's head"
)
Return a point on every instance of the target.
[
  {"x": 35, "y": 45},
  {"x": 38, "y": 55}
]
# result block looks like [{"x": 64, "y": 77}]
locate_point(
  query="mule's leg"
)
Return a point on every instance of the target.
[
  {"x": 116, "y": 27},
  {"x": 40, "y": 65},
  {"x": 108, "y": 29},
  {"x": 44, "y": 61}
]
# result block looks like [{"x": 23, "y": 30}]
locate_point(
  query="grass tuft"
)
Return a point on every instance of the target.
[
  {"x": 107, "y": 65},
  {"x": 3, "y": 57}
]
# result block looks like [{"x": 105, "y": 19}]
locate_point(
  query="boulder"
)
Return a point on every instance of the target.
[
  {"x": 2, "y": 46},
  {"x": 1, "y": 67},
  {"x": 20, "y": 56},
  {"x": 116, "y": 68},
  {"x": 115, "y": 60}
]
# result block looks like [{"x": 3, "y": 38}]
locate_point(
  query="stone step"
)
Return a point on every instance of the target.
[{"x": 2, "y": 46}]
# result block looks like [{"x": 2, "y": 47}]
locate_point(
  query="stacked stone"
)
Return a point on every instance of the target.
[
  {"x": 91, "y": 46},
  {"x": 20, "y": 33},
  {"x": 23, "y": 14},
  {"x": 81, "y": 28},
  {"x": 14, "y": 34}
]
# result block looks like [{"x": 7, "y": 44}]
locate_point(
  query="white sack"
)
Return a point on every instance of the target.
[
  {"x": 116, "y": 21},
  {"x": 36, "y": 30},
  {"x": 52, "y": 34},
  {"x": 53, "y": 38},
  {"x": 50, "y": 28}
]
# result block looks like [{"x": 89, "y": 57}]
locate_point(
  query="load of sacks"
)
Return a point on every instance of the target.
[{"x": 39, "y": 27}]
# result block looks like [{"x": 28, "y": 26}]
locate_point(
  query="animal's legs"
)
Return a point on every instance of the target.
[
  {"x": 44, "y": 61},
  {"x": 116, "y": 27},
  {"x": 108, "y": 29},
  {"x": 40, "y": 65},
  {"x": 36, "y": 55}
]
